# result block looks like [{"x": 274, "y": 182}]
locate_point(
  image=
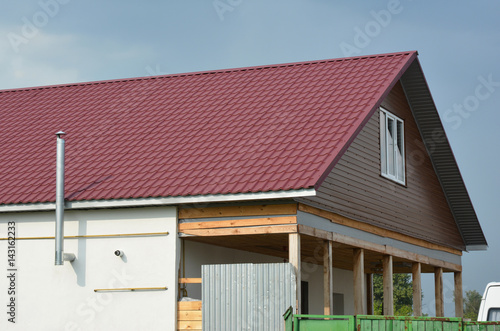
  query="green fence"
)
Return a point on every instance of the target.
[
  {"x": 381, "y": 323},
  {"x": 317, "y": 322},
  {"x": 396, "y": 323},
  {"x": 481, "y": 326}
]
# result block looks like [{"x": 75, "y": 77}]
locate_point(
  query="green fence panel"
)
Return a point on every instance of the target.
[
  {"x": 397, "y": 323},
  {"x": 317, "y": 322},
  {"x": 481, "y": 326},
  {"x": 435, "y": 323},
  {"x": 288, "y": 316},
  {"x": 323, "y": 323},
  {"x": 382, "y": 323}
]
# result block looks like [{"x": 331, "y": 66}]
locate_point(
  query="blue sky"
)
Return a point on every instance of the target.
[{"x": 63, "y": 41}]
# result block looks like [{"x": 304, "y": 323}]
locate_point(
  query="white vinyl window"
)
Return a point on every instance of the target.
[{"x": 392, "y": 151}]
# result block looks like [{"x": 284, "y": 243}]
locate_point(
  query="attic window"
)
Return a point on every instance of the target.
[{"x": 392, "y": 152}]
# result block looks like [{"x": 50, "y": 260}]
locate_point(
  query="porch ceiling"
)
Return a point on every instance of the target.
[{"x": 311, "y": 251}]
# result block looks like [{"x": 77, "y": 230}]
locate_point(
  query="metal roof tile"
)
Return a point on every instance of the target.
[{"x": 254, "y": 129}]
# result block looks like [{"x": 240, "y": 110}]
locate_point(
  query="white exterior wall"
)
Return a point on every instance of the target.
[
  {"x": 197, "y": 254},
  {"x": 50, "y": 297}
]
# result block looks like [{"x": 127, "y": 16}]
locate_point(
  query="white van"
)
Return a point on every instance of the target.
[{"x": 490, "y": 304}]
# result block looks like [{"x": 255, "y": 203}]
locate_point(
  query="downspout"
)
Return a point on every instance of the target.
[{"x": 60, "y": 255}]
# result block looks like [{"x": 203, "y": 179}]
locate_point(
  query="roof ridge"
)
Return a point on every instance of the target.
[{"x": 196, "y": 73}]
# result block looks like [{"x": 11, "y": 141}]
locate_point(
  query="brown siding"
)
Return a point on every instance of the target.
[{"x": 356, "y": 189}]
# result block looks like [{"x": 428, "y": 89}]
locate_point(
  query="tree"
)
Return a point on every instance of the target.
[
  {"x": 403, "y": 294},
  {"x": 472, "y": 302}
]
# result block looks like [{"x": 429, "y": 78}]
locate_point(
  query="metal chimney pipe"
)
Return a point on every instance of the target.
[
  {"x": 60, "y": 255},
  {"x": 60, "y": 199}
]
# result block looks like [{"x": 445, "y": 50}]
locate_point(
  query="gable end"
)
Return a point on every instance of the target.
[{"x": 439, "y": 150}]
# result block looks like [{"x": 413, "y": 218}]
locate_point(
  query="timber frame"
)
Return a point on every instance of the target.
[{"x": 284, "y": 229}]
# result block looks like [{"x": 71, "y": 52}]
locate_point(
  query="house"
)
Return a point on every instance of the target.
[{"x": 335, "y": 169}]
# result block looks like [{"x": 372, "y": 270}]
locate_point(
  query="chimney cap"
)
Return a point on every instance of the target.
[{"x": 60, "y": 133}]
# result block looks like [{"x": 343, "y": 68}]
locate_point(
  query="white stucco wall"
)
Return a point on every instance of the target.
[
  {"x": 50, "y": 297},
  {"x": 197, "y": 254}
]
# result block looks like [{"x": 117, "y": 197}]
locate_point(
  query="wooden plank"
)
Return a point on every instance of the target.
[
  {"x": 189, "y": 305},
  {"x": 238, "y": 223},
  {"x": 396, "y": 222},
  {"x": 359, "y": 283},
  {"x": 294, "y": 258},
  {"x": 388, "y": 285},
  {"x": 190, "y": 280},
  {"x": 189, "y": 315},
  {"x": 416, "y": 271},
  {"x": 384, "y": 249},
  {"x": 242, "y": 231},
  {"x": 328, "y": 278},
  {"x": 230, "y": 211},
  {"x": 438, "y": 288},
  {"x": 318, "y": 233},
  {"x": 459, "y": 299},
  {"x": 189, "y": 325},
  {"x": 336, "y": 218}
]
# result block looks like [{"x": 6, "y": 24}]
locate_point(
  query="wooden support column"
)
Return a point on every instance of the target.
[
  {"x": 359, "y": 283},
  {"x": 369, "y": 294},
  {"x": 459, "y": 296},
  {"x": 328, "y": 277},
  {"x": 438, "y": 288},
  {"x": 294, "y": 258},
  {"x": 388, "y": 286},
  {"x": 416, "y": 271}
]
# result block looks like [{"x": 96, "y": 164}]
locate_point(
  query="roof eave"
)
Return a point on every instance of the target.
[
  {"x": 470, "y": 248},
  {"x": 159, "y": 201}
]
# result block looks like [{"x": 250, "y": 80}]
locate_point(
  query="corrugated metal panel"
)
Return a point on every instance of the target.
[
  {"x": 443, "y": 160},
  {"x": 246, "y": 296}
]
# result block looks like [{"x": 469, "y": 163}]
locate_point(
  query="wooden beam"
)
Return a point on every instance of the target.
[
  {"x": 388, "y": 285},
  {"x": 189, "y": 315},
  {"x": 438, "y": 288},
  {"x": 294, "y": 258},
  {"x": 189, "y": 305},
  {"x": 359, "y": 283},
  {"x": 339, "y": 219},
  {"x": 416, "y": 271},
  {"x": 369, "y": 294},
  {"x": 242, "y": 231},
  {"x": 313, "y": 232},
  {"x": 328, "y": 278},
  {"x": 190, "y": 280},
  {"x": 238, "y": 223},
  {"x": 232, "y": 211},
  {"x": 459, "y": 296},
  {"x": 384, "y": 249},
  {"x": 189, "y": 325}
]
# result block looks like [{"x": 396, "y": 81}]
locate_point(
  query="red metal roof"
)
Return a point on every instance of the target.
[{"x": 258, "y": 129}]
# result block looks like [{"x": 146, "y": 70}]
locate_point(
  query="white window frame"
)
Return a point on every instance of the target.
[{"x": 392, "y": 148}]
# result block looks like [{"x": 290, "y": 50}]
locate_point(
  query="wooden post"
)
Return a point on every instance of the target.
[
  {"x": 369, "y": 294},
  {"x": 416, "y": 271},
  {"x": 459, "y": 296},
  {"x": 359, "y": 284},
  {"x": 438, "y": 288},
  {"x": 388, "y": 286},
  {"x": 328, "y": 277},
  {"x": 294, "y": 258}
]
